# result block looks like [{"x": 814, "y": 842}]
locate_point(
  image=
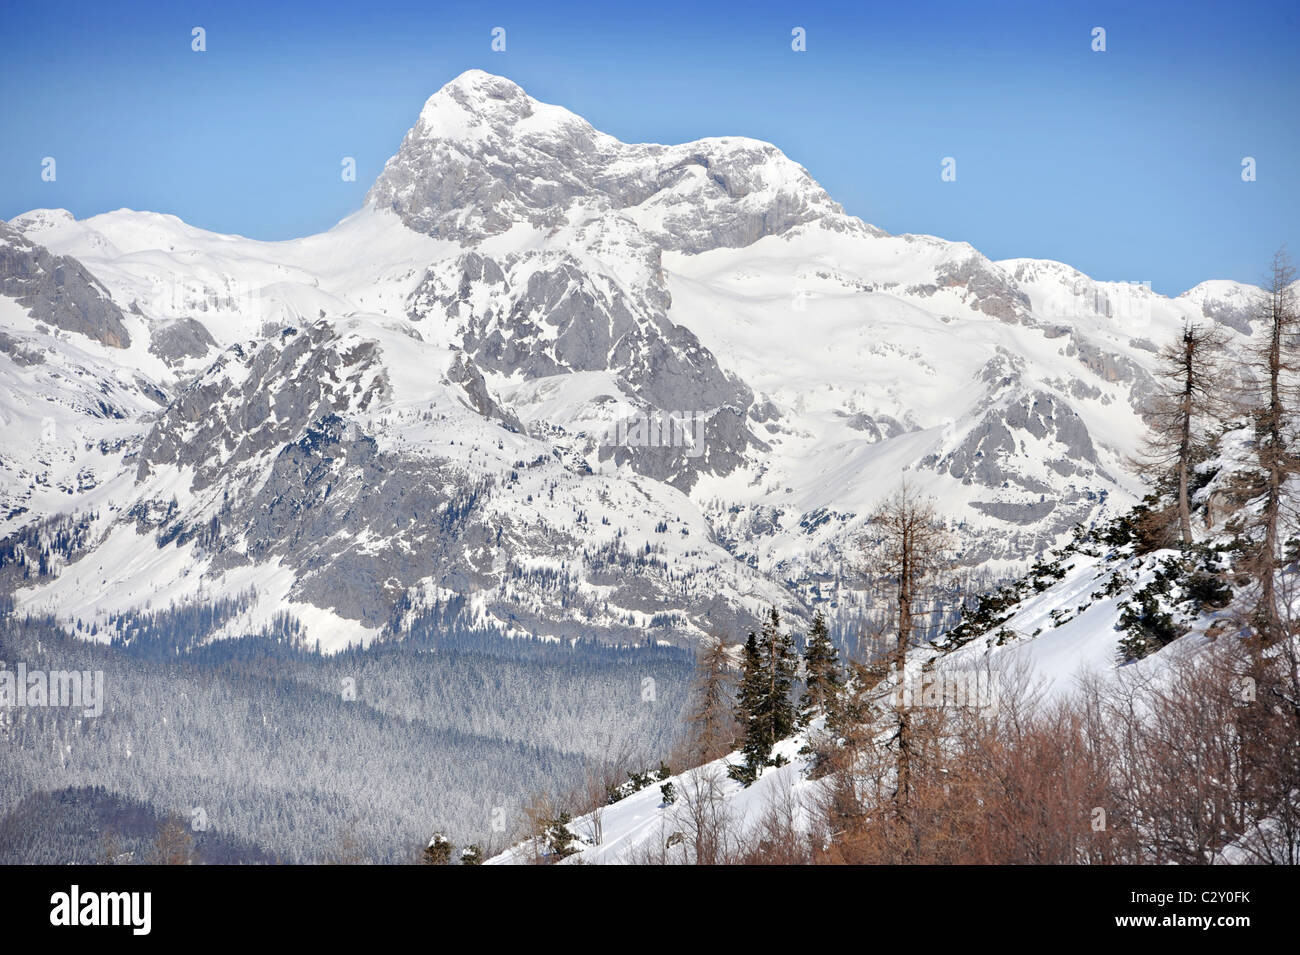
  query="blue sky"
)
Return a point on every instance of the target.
[{"x": 1125, "y": 164}]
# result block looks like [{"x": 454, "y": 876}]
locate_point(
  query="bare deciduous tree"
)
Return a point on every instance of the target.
[
  {"x": 711, "y": 718},
  {"x": 706, "y": 818},
  {"x": 1191, "y": 394},
  {"x": 174, "y": 845},
  {"x": 906, "y": 546},
  {"x": 1278, "y": 358}
]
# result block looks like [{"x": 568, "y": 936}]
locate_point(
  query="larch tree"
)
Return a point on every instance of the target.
[
  {"x": 1189, "y": 371},
  {"x": 1277, "y": 359},
  {"x": 711, "y": 717},
  {"x": 907, "y": 542},
  {"x": 173, "y": 845}
]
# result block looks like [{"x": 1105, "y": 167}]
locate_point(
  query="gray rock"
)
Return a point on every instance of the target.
[
  {"x": 1226, "y": 313},
  {"x": 546, "y": 314},
  {"x": 178, "y": 339},
  {"x": 58, "y": 290},
  {"x": 1015, "y": 513},
  {"x": 465, "y": 373},
  {"x": 986, "y": 455},
  {"x": 19, "y": 351},
  {"x": 284, "y": 385},
  {"x": 988, "y": 289}
]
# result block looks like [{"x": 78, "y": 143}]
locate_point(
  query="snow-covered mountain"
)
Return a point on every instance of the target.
[
  {"x": 1112, "y": 623},
  {"x": 567, "y": 385}
]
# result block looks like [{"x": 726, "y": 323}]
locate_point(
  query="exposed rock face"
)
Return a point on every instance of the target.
[
  {"x": 1031, "y": 513},
  {"x": 986, "y": 455},
  {"x": 1226, "y": 303},
  {"x": 986, "y": 287},
  {"x": 546, "y": 313},
  {"x": 465, "y": 373},
  {"x": 716, "y": 442},
  {"x": 876, "y": 427},
  {"x": 257, "y": 398},
  {"x": 182, "y": 338},
  {"x": 287, "y": 476},
  {"x": 485, "y": 156},
  {"x": 20, "y": 353},
  {"x": 1032, "y": 451},
  {"x": 58, "y": 290},
  {"x": 333, "y": 486},
  {"x": 1111, "y": 366}
]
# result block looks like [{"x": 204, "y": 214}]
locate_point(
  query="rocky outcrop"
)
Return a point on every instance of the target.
[
  {"x": 548, "y": 313},
  {"x": 985, "y": 288},
  {"x": 258, "y": 397},
  {"x": 465, "y": 373},
  {"x": 57, "y": 290},
  {"x": 992, "y": 452},
  {"x": 180, "y": 339}
]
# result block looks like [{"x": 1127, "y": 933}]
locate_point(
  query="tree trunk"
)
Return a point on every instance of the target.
[
  {"x": 1185, "y": 442},
  {"x": 1276, "y": 463},
  {"x": 904, "y": 635}
]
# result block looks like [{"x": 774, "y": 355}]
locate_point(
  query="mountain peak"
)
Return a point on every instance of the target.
[
  {"x": 40, "y": 220},
  {"x": 481, "y": 83},
  {"x": 477, "y": 105},
  {"x": 484, "y": 156}
]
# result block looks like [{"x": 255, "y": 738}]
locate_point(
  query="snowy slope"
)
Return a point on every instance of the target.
[
  {"x": 1057, "y": 634},
  {"x": 642, "y": 829}
]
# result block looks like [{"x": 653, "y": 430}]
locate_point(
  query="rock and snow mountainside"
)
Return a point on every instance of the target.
[
  {"x": 1039, "y": 639},
  {"x": 414, "y": 410}
]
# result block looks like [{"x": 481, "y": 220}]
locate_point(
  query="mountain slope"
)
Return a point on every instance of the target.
[
  {"x": 598, "y": 389},
  {"x": 1110, "y": 678}
]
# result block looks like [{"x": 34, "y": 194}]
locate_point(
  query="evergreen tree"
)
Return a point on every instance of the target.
[
  {"x": 749, "y": 704},
  {"x": 438, "y": 851},
  {"x": 780, "y": 666},
  {"x": 766, "y": 713},
  {"x": 471, "y": 855},
  {"x": 559, "y": 837},
  {"x": 822, "y": 675}
]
